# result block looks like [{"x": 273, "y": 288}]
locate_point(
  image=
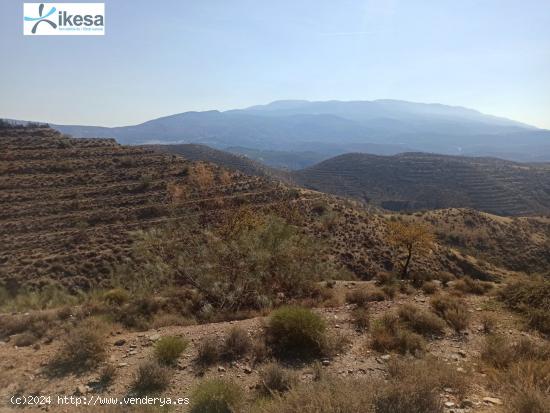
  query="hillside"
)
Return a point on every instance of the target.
[
  {"x": 228, "y": 160},
  {"x": 414, "y": 181},
  {"x": 327, "y": 129}
]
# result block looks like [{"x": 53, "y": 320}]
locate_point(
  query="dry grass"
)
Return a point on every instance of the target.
[
  {"x": 467, "y": 285},
  {"x": 209, "y": 351},
  {"x": 452, "y": 310},
  {"x": 216, "y": 396},
  {"x": 389, "y": 335},
  {"x": 532, "y": 298},
  {"x": 275, "y": 379},
  {"x": 83, "y": 348},
  {"x": 421, "y": 321},
  {"x": 361, "y": 319},
  {"x": 237, "y": 344},
  {"x": 151, "y": 378}
]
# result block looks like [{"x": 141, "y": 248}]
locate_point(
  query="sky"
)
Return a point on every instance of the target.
[{"x": 169, "y": 56}]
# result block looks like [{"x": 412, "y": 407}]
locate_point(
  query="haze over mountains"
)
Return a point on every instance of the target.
[{"x": 325, "y": 129}]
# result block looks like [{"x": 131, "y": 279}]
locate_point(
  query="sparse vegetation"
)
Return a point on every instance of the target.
[
  {"x": 389, "y": 335},
  {"x": 216, "y": 396},
  {"x": 470, "y": 286},
  {"x": 209, "y": 351},
  {"x": 452, "y": 310},
  {"x": 421, "y": 321},
  {"x": 151, "y": 378},
  {"x": 84, "y": 348},
  {"x": 237, "y": 344},
  {"x": 275, "y": 379}
]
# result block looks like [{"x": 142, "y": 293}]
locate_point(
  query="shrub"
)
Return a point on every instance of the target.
[
  {"x": 83, "y": 349},
  {"x": 530, "y": 296},
  {"x": 429, "y": 287},
  {"x": 390, "y": 290},
  {"x": 296, "y": 332},
  {"x": 499, "y": 352},
  {"x": 362, "y": 296},
  {"x": 468, "y": 285},
  {"x": 168, "y": 349},
  {"x": 116, "y": 296},
  {"x": 25, "y": 339},
  {"x": 328, "y": 395},
  {"x": 209, "y": 351},
  {"x": 452, "y": 310},
  {"x": 107, "y": 375},
  {"x": 237, "y": 344},
  {"x": 388, "y": 335},
  {"x": 421, "y": 321},
  {"x": 408, "y": 397},
  {"x": 151, "y": 378},
  {"x": 216, "y": 396},
  {"x": 488, "y": 323},
  {"x": 275, "y": 379},
  {"x": 361, "y": 319}
]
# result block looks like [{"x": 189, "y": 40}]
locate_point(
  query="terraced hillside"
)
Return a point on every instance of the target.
[
  {"x": 515, "y": 243},
  {"x": 67, "y": 206},
  {"x": 196, "y": 152},
  {"x": 415, "y": 181}
]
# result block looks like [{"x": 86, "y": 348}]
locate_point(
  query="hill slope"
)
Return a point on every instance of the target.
[{"x": 414, "y": 181}]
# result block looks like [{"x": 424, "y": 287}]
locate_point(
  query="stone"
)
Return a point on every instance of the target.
[
  {"x": 385, "y": 357},
  {"x": 154, "y": 337},
  {"x": 449, "y": 404},
  {"x": 247, "y": 370},
  {"x": 466, "y": 403},
  {"x": 325, "y": 363},
  {"x": 492, "y": 400},
  {"x": 82, "y": 389},
  {"x": 221, "y": 369},
  {"x": 122, "y": 364},
  {"x": 120, "y": 342}
]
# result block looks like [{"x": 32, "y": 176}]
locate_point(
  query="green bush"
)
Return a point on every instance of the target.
[
  {"x": 216, "y": 396},
  {"x": 296, "y": 332},
  {"x": 168, "y": 349},
  {"x": 116, "y": 296}
]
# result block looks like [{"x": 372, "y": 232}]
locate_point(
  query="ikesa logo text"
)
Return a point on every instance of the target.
[{"x": 63, "y": 19}]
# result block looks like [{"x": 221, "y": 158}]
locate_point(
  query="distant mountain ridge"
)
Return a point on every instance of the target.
[{"x": 335, "y": 127}]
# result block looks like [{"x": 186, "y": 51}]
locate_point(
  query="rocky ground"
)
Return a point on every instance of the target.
[{"x": 24, "y": 370}]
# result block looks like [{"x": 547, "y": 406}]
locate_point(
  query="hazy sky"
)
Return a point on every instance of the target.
[{"x": 164, "y": 57}]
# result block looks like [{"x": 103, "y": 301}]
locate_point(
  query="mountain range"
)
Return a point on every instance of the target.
[{"x": 312, "y": 131}]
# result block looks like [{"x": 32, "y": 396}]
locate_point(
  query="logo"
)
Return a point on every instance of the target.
[{"x": 63, "y": 19}]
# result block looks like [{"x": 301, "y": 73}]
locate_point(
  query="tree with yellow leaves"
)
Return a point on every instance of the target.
[{"x": 412, "y": 237}]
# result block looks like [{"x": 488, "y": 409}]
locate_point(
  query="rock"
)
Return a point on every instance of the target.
[
  {"x": 461, "y": 353},
  {"x": 132, "y": 353},
  {"x": 449, "y": 404},
  {"x": 385, "y": 357},
  {"x": 247, "y": 370},
  {"x": 120, "y": 342},
  {"x": 325, "y": 363},
  {"x": 154, "y": 337},
  {"x": 461, "y": 370},
  {"x": 466, "y": 403},
  {"x": 492, "y": 400},
  {"x": 82, "y": 389},
  {"x": 221, "y": 369},
  {"x": 122, "y": 364}
]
